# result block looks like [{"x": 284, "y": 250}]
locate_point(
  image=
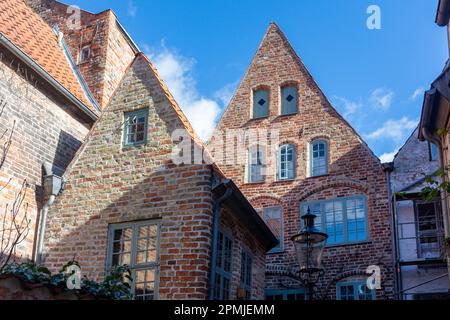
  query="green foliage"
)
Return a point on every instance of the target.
[
  {"x": 436, "y": 183},
  {"x": 115, "y": 286},
  {"x": 442, "y": 132}
]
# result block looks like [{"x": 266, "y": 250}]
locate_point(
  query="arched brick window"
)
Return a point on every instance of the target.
[
  {"x": 286, "y": 162},
  {"x": 319, "y": 157}
]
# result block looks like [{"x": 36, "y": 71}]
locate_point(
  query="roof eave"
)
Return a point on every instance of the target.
[
  {"x": 443, "y": 13},
  {"x": 44, "y": 74}
]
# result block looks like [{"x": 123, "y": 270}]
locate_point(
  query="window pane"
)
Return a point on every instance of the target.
[
  {"x": 256, "y": 164},
  {"x": 344, "y": 220},
  {"x": 145, "y": 284},
  {"x": 286, "y": 162},
  {"x": 319, "y": 158},
  {"x": 139, "y": 241},
  {"x": 135, "y": 126},
  {"x": 274, "y": 219}
]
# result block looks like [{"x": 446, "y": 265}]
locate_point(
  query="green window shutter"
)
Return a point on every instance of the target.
[
  {"x": 289, "y": 100},
  {"x": 260, "y": 104}
]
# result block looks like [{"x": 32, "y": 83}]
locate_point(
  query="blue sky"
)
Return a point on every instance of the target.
[{"x": 375, "y": 78}]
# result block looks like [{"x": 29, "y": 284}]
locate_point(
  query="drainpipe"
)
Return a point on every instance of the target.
[
  {"x": 216, "y": 209},
  {"x": 388, "y": 169},
  {"x": 52, "y": 187}
]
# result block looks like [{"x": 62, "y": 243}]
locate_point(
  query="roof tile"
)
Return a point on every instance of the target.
[{"x": 31, "y": 34}]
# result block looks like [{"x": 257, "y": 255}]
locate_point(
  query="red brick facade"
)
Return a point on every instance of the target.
[
  {"x": 353, "y": 168},
  {"x": 109, "y": 183},
  {"x": 44, "y": 127}
]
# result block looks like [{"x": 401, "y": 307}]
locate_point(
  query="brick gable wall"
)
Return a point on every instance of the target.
[
  {"x": 109, "y": 183},
  {"x": 47, "y": 128},
  {"x": 110, "y": 51},
  {"x": 353, "y": 169}
]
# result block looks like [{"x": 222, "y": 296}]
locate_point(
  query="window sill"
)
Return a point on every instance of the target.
[
  {"x": 286, "y": 115},
  {"x": 285, "y": 180},
  {"x": 348, "y": 244},
  {"x": 254, "y": 183},
  {"x": 319, "y": 176},
  {"x": 259, "y": 118},
  {"x": 275, "y": 252},
  {"x": 131, "y": 146}
]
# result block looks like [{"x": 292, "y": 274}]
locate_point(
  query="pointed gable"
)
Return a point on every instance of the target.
[{"x": 277, "y": 72}]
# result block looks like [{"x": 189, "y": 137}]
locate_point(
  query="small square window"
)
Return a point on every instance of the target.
[{"x": 135, "y": 127}]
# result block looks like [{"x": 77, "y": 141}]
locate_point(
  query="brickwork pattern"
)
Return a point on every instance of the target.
[{"x": 353, "y": 169}]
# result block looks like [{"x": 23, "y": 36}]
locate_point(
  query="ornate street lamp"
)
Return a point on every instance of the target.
[{"x": 309, "y": 245}]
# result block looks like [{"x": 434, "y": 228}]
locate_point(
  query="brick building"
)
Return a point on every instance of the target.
[
  {"x": 288, "y": 150},
  {"x": 127, "y": 201},
  {"x": 46, "y": 114},
  {"x": 95, "y": 137},
  {"x": 419, "y": 226}
]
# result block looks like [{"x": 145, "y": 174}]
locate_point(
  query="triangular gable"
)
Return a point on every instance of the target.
[
  {"x": 264, "y": 53},
  {"x": 147, "y": 77}
]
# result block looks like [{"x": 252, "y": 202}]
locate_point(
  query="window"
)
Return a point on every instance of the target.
[
  {"x": 260, "y": 103},
  {"x": 84, "y": 54},
  {"x": 433, "y": 152},
  {"x": 319, "y": 158},
  {"x": 355, "y": 290},
  {"x": 223, "y": 267},
  {"x": 136, "y": 127},
  {"x": 343, "y": 219},
  {"x": 288, "y": 100},
  {"x": 290, "y": 294},
  {"x": 274, "y": 219},
  {"x": 137, "y": 245},
  {"x": 256, "y": 164},
  {"x": 286, "y": 162},
  {"x": 429, "y": 229},
  {"x": 246, "y": 273}
]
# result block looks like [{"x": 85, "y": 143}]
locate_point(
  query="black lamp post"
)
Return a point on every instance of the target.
[{"x": 309, "y": 245}]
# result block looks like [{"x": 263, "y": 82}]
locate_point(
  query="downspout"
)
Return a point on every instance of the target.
[
  {"x": 388, "y": 168},
  {"x": 216, "y": 210},
  {"x": 52, "y": 187}
]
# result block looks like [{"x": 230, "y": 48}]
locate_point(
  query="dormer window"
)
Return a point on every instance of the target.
[
  {"x": 84, "y": 54},
  {"x": 260, "y": 103},
  {"x": 289, "y": 99}
]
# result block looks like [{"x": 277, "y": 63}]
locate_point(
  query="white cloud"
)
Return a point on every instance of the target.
[
  {"x": 388, "y": 156},
  {"x": 395, "y": 130},
  {"x": 417, "y": 93},
  {"x": 350, "y": 107},
  {"x": 381, "y": 98},
  {"x": 176, "y": 72},
  {"x": 225, "y": 94},
  {"x": 131, "y": 9}
]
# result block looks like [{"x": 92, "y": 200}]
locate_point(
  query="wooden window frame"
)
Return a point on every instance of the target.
[
  {"x": 323, "y": 219},
  {"x": 134, "y": 266},
  {"x": 127, "y": 116},
  {"x": 286, "y": 146},
  {"x": 356, "y": 284},
  {"x": 221, "y": 272},
  {"x": 311, "y": 156},
  {"x": 280, "y": 247}
]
